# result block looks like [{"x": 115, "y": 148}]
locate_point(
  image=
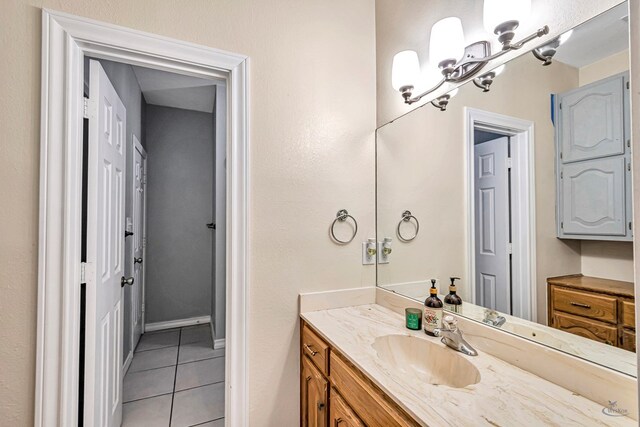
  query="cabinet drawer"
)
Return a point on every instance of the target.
[
  {"x": 317, "y": 350},
  {"x": 340, "y": 414},
  {"x": 587, "y": 328},
  {"x": 600, "y": 307},
  {"x": 629, "y": 314},
  {"x": 628, "y": 340},
  {"x": 374, "y": 408}
]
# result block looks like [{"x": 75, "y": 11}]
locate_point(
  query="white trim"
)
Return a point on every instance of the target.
[
  {"x": 524, "y": 260},
  {"x": 179, "y": 323},
  {"x": 217, "y": 344},
  {"x": 66, "y": 39},
  {"x": 127, "y": 363},
  {"x": 138, "y": 146}
]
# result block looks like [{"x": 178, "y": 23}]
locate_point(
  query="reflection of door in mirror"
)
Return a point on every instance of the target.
[{"x": 492, "y": 222}]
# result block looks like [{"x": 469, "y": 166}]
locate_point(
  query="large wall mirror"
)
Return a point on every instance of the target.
[{"x": 524, "y": 193}]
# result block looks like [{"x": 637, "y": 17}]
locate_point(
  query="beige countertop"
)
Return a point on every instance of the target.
[{"x": 504, "y": 396}]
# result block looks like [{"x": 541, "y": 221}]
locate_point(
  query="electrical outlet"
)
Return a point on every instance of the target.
[{"x": 369, "y": 251}]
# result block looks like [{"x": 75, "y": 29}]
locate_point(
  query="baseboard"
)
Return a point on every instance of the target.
[
  {"x": 127, "y": 363},
  {"x": 180, "y": 323},
  {"x": 219, "y": 343}
]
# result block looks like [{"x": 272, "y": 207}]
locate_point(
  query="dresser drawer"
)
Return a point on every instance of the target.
[
  {"x": 587, "y": 328},
  {"x": 316, "y": 349},
  {"x": 600, "y": 307},
  {"x": 628, "y": 314}
]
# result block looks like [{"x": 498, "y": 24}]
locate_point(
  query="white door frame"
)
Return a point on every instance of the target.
[
  {"x": 138, "y": 146},
  {"x": 66, "y": 39},
  {"x": 523, "y": 205}
]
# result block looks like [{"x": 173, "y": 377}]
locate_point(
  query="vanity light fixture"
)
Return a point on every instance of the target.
[
  {"x": 546, "y": 52},
  {"x": 456, "y": 62},
  {"x": 441, "y": 102},
  {"x": 484, "y": 81}
]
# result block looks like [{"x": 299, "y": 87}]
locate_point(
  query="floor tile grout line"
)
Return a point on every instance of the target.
[
  {"x": 175, "y": 378},
  {"x": 199, "y": 386},
  {"x": 145, "y": 398},
  {"x": 205, "y": 422},
  {"x": 200, "y": 360},
  {"x": 149, "y": 369}
]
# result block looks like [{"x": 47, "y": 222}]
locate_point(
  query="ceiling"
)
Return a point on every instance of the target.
[
  {"x": 596, "y": 39},
  {"x": 176, "y": 90}
]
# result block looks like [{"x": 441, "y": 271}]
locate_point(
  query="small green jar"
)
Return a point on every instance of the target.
[{"x": 413, "y": 317}]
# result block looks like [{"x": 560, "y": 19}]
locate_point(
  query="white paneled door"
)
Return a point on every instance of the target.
[
  {"x": 104, "y": 269},
  {"x": 139, "y": 239},
  {"x": 492, "y": 223}
]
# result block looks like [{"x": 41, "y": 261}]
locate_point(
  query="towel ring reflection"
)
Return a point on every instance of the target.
[
  {"x": 342, "y": 216},
  {"x": 406, "y": 217}
]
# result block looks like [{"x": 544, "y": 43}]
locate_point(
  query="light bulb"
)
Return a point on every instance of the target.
[
  {"x": 447, "y": 41},
  {"x": 405, "y": 70},
  {"x": 497, "y": 12}
]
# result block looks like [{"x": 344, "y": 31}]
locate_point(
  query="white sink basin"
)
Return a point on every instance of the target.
[{"x": 426, "y": 360}]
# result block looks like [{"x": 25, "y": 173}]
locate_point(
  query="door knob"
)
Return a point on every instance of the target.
[
  {"x": 128, "y": 233},
  {"x": 125, "y": 281},
  {"x": 137, "y": 260},
  {"x": 211, "y": 225}
]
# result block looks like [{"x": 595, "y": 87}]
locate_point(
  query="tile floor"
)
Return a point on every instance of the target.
[{"x": 176, "y": 379}]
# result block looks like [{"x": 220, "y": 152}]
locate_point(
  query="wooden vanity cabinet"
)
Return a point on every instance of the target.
[
  {"x": 599, "y": 309},
  {"x": 335, "y": 393}
]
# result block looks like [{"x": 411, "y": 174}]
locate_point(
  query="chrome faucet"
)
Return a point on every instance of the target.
[
  {"x": 452, "y": 337},
  {"x": 493, "y": 318}
]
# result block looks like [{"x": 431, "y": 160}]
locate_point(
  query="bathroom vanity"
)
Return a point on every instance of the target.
[{"x": 361, "y": 367}]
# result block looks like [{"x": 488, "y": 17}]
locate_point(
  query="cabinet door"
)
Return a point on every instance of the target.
[
  {"x": 340, "y": 414},
  {"x": 314, "y": 392},
  {"x": 628, "y": 340},
  {"x": 591, "y": 120},
  {"x": 593, "y": 198}
]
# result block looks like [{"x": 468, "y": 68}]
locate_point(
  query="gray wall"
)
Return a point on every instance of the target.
[
  {"x": 126, "y": 85},
  {"x": 179, "y": 205}
]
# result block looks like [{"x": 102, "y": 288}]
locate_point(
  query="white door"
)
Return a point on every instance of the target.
[
  {"x": 491, "y": 187},
  {"x": 139, "y": 239},
  {"x": 104, "y": 268}
]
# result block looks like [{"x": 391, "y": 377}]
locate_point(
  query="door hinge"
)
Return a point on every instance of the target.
[
  {"x": 82, "y": 272},
  {"x": 561, "y": 155},
  {"x": 630, "y": 225},
  {"x": 85, "y": 108},
  {"x": 560, "y": 106},
  {"x": 143, "y": 308},
  {"x": 561, "y": 175},
  {"x": 144, "y": 242},
  {"x": 628, "y": 143},
  {"x": 627, "y": 85},
  {"x": 509, "y": 163},
  {"x": 562, "y": 225},
  {"x": 509, "y": 248},
  {"x": 629, "y": 166}
]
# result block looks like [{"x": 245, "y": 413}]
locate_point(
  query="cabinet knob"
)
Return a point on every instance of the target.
[
  {"x": 321, "y": 406},
  {"x": 126, "y": 281},
  {"x": 137, "y": 260}
]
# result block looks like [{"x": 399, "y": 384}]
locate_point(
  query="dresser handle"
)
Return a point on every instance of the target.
[
  {"x": 579, "y": 304},
  {"x": 310, "y": 350}
]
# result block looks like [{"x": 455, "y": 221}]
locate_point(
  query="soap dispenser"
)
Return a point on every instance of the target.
[
  {"x": 452, "y": 302},
  {"x": 432, "y": 311}
]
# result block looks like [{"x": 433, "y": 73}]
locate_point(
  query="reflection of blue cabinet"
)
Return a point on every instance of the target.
[{"x": 594, "y": 161}]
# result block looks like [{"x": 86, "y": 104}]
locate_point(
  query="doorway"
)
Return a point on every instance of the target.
[
  {"x": 67, "y": 40},
  {"x": 501, "y": 212}
]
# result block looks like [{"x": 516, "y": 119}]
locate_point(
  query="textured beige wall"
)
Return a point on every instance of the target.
[
  {"x": 407, "y": 24},
  {"x": 614, "y": 64},
  {"x": 312, "y": 152},
  {"x": 421, "y": 161}
]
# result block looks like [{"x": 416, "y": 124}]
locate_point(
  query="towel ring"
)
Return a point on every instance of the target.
[
  {"x": 342, "y": 216},
  {"x": 406, "y": 217}
]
